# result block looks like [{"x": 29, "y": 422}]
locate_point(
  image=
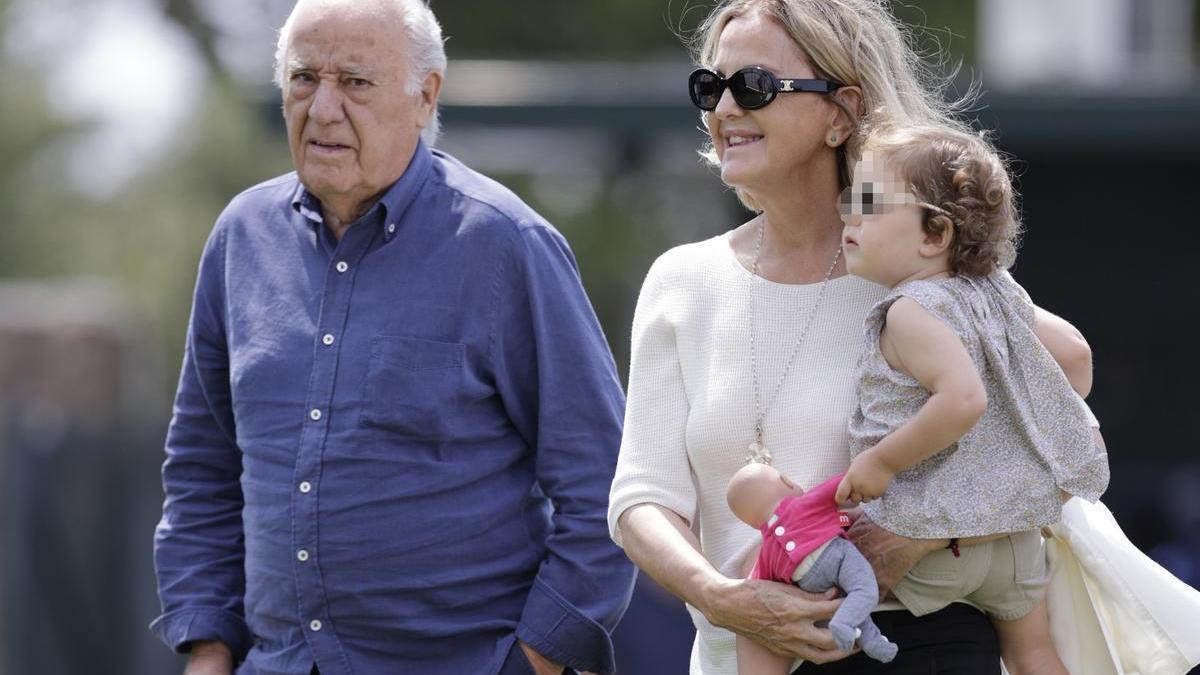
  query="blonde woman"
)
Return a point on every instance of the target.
[{"x": 745, "y": 344}]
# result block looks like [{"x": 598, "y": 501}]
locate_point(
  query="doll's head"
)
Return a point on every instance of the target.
[
  {"x": 928, "y": 198},
  {"x": 755, "y": 490}
]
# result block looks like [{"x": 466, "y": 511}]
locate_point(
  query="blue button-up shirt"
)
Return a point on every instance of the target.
[{"x": 392, "y": 453}]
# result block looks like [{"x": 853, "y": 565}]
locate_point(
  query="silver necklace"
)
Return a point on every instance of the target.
[{"x": 758, "y": 451}]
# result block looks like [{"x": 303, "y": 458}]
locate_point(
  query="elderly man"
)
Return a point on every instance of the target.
[{"x": 397, "y": 419}]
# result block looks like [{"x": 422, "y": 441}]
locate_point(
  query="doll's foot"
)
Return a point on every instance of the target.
[
  {"x": 844, "y": 634},
  {"x": 880, "y": 649}
]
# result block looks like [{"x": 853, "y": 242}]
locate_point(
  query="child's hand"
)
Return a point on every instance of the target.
[{"x": 866, "y": 479}]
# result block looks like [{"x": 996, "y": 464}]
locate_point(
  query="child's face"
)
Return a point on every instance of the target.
[{"x": 883, "y": 235}]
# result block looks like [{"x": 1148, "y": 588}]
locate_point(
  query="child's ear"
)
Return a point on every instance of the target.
[{"x": 936, "y": 243}]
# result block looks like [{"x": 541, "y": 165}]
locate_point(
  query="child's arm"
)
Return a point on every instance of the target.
[
  {"x": 1066, "y": 344},
  {"x": 915, "y": 342},
  {"x": 755, "y": 659}
]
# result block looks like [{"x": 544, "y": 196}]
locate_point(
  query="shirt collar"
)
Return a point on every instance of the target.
[{"x": 393, "y": 203}]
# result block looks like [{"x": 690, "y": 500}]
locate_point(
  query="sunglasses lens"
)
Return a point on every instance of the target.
[
  {"x": 752, "y": 88},
  {"x": 705, "y": 88}
]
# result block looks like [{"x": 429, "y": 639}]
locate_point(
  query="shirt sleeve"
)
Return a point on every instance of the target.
[
  {"x": 198, "y": 544},
  {"x": 560, "y": 388},
  {"x": 653, "y": 466}
]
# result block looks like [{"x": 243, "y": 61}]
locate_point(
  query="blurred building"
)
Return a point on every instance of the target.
[{"x": 1123, "y": 46}]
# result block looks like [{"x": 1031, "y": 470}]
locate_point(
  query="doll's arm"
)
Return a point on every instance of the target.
[
  {"x": 756, "y": 659},
  {"x": 1066, "y": 344},
  {"x": 917, "y": 343}
]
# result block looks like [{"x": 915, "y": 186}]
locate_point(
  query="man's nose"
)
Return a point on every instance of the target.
[{"x": 326, "y": 106}]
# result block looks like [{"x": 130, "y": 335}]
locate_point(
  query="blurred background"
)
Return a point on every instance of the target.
[{"x": 126, "y": 126}]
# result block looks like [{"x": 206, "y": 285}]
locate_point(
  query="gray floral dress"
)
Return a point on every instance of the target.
[{"x": 1004, "y": 475}]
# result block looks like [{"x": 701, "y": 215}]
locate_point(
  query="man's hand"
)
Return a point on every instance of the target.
[
  {"x": 778, "y": 616},
  {"x": 890, "y": 555},
  {"x": 541, "y": 665},
  {"x": 209, "y": 657},
  {"x": 866, "y": 479}
]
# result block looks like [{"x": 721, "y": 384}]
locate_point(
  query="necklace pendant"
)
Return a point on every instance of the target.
[{"x": 759, "y": 454}]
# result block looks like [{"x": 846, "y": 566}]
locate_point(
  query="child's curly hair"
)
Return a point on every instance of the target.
[{"x": 961, "y": 174}]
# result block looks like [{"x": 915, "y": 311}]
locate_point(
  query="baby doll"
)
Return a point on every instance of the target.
[{"x": 803, "y": 545}]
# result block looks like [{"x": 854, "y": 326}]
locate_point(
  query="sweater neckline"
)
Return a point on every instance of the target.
[{"x": 722, "y": 241}]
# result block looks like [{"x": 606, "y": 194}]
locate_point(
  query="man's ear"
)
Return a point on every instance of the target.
[{"x": 431, "y": 87}]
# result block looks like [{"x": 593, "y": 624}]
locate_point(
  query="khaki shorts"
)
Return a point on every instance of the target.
[{"x": 1005, "y": 578}]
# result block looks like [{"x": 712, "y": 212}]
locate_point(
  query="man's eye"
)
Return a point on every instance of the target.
[
  {"x": 357, "y": 82},
  {"x": 302, "y": 77}
]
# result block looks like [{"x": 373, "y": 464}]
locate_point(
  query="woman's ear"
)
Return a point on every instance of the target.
[{"x": 847, "y": 112}]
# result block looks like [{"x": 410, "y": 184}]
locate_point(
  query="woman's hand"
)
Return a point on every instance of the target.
[
  {"x": 778, "y": 616},
  {"x": 890, "y": 555}
]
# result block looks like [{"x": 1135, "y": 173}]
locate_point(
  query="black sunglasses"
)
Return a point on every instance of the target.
[{"x": 752, "y": 87}]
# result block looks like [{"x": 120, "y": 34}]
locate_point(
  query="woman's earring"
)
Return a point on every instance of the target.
[{"x": 833, "y": 139}]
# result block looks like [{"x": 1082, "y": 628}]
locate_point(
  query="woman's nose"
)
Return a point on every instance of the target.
[{"x": 726, "y": 105}]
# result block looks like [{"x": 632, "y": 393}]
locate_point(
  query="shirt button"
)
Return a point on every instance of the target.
[
  {"x": 315, "y": 414},
  {"x": 328, "y": 339},
  {"x": 779, "y": 531},
  {"x": 306, "y": 487},
  {"x": 342, "y": 266},
  {"x": 790, "y": 546},
  {"x": 391, "y": 228},
  {"x": 302, "y": 555},
  {"x": 315, "y": 624}
]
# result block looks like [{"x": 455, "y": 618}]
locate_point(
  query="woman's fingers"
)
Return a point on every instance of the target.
[
  {"x": 830, "y": 594},
  {"x": 782, "y": 618},
  {"x": 802, "y": 639},
  {"x": 820, "y": 656}
]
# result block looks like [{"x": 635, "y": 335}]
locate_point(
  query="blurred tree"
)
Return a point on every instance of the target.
[
  {"x": 148, "y": 237},
  {"x": 627, "y": 29},
  {"x": 613, "y": 29},
  {"x": 941, "y": 25}
]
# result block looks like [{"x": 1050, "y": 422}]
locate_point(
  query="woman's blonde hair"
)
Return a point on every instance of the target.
[
  {"x": 967, "y": 181},
  {"x": 854, "y": 42}
]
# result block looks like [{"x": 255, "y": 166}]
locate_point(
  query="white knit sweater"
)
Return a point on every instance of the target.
[{"x": 690, "y": 413}]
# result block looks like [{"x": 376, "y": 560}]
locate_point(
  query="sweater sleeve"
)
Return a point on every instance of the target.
[{"x": 653, "y": 466}]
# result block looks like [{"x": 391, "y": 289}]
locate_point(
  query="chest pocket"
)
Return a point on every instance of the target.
[{"x": 413, "y": 387}]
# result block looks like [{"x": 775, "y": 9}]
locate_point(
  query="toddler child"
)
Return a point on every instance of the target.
[{"x": 965, "y": 426}]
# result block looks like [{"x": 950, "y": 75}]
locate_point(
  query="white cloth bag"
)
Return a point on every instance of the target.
[{"x": 1113, "y": 610}]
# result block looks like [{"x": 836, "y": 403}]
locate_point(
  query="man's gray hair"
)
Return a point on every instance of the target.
[{"x": 427, "y": 52}]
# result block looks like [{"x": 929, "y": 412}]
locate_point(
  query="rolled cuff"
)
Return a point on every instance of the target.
[
  {"x": 177, "y": 629},
  {"x": 558, "y": 631}
]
